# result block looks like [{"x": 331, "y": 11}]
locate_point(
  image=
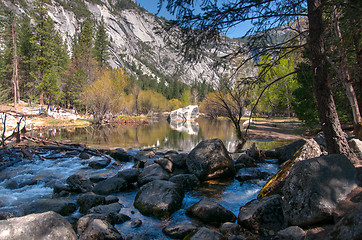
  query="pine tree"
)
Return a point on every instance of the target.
[{"x": 101, "y": 44}]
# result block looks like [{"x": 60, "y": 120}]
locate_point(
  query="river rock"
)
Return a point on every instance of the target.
[
  {"x": 99, "y": 164},
  {"x": 151, "y": 173},
  {"x": 310, "y": 149},
  {"x": 210, "y": 212},
  {"x": 79, "y": 184},
  {"x": 136, "y": 223},
  {"x": 112, "y": 218},
  {"x": 356, "y": 147},
  {"x": 87, "y": 201},
  {"x": 106, "y": 209},
  {"x": 350, "y": 226},
  {"x": 120, "y": 155},
  {"x": 180, "y": 230},
  {"x": 254, "y": 174},
  {"x": 190, "y": 112},
  {"x": 165, "y": 163},
  {"x": 315, "y": 186},
  {"x": 206, "y": 234},
  {"x": 43, "y": 226},
  {"x": 320, "y": 139},
  {"x": 286, "y": 152},
  {"x": 63, "y": 207},
  {"x": 210, "y": 160},
  {"x": 100, "y": 229},
  {"x": 229, "y": 229},
  {"x": 245, "y": 161},
  {"x": 144, "y": 155},
  {"x": 159, "y": 198},
  {"x": 130, "y": 175},
  {"x": 84, "y": 155},
  {"x": 178, "y": 159},
  {"x": 110, "y": 185},
  {"x": 291, "y": 233},
  {"x": 185, "y": 181},
  {"x": 262, "y": 214}
]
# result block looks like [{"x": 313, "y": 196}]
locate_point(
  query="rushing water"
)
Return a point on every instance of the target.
[{"x": 30, "y": 181}]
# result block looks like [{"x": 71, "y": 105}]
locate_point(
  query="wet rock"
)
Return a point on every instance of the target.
[
  {"x": 185, "y": 181},
  {"x": 87, "y": 201},
  {"x": 106, "y": 209},
  {"x": 79, "y": 184},
  {"x": 151, "y": 173},
  {"x": 117, "y": 218},
  {"x": 120, "y": 155},
  {"x": 165, "y": 163},
  {"x": 59, "y": 187},
  {"x": 350, "y": 226},
  {"x": 207, "y": 234},
  {"x": 255, "y": 153},
  {"x": 179, "y": 160},
  {"x": 210, "y": 212},
  {"x": 63, "y": 207},
  {"x": 130, "y": 175},
  {"x": 210, "y": 160},
  {"x": 315, "y": 186},
  {"x": 310, "y": 149},
  {"x": 180, "y": 230},
  {"x": 96, "y": 179},
  {"x": 291, "y": 233},
  {"x": 99, "y": 164},
  {"x": 136, "y": 223},
  {"x": 159, "y": 199},
  {"x": 84, "y": 155},
  {"x": 255, "y": 174},
  {"x": 229, "y": 229},
  {"x": 11, "y": 213},
  {"x": 110, "y": 185},
  {"x": 49, "y": 225},
  {"x": 245, "y": 161},
  {"x": 262, "y": 214},
  {"x": 83, "y": 222},
  {"x": 285, "y": 152},
  {"x": 100, "y": 229},
  {"x": 111, "y": 199},
  {"x": 144, "y": 155}
]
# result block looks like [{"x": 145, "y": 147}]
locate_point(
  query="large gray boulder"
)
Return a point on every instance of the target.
[
  {"x": 43, "y": 226},
  {"x": 159, "y": 198},
  {"x": 210, "y": 160},
  {"x": 110, "y": 185},
  {"x": 210, "y": 212},
  {"x": 151, "y": 173},
  {"x": 286, "y": 152},
  {"x": 183, "y": 114},
  {"x": 315, "y": 186},
  {"x": 262, "y": 214}
]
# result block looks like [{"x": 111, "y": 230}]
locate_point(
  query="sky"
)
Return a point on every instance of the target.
[{"x": 151, "y": 6}]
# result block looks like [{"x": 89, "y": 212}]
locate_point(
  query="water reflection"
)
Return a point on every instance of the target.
[
  {"x": 158, "y": 133},
  {"x": 189, "y": 127}
]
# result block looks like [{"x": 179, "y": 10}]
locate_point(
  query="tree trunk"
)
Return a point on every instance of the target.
[
  {"x": 14, "y": 79},
  {"x": 328, "y": 117}
]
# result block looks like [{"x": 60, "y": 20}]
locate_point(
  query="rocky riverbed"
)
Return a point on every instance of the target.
[{"x": 74, "y": 192}]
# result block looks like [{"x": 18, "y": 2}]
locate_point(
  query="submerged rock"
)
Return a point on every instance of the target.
[
  {"x": 43, "y": 226},
  {"x": 210, "y": 160},
  {"x": 180, "y": 230},
  {"x": 159, "y": 198},
  {"x": 315, "y": 186},
  {"x": 210, "y": 212}
]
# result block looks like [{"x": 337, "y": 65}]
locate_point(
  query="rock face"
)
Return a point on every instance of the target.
[
  {"x": 159, "y": 198},
  {"x": 210, "y": 160},
  {"x": 44, "y": 226},
  {"x": 315, "y": 186},
  {"x": 184, "y": 114},
  {"x": 262, "y": 214},
  {"x": 210, "y": 212},
  {"x": 309, "y": 150}
]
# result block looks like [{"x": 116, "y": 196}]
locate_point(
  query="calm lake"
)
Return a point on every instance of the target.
[{"x": 158, "y": 133}]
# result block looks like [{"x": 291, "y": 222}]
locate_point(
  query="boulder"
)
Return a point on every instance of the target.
[
  {"x": 291, "y": 233},
  {"x": 262, "y": 214},
  {"x": 206, "y": 234},
  {"x": 100, "y": 229},
  {"x": 286, "y": 152},
  {"x": 210, "y": 160},
  {"x": 99, "y": 164},
  {"x": 113, "y": 218},
  {"x": 319, "y": 138},
  {"x": 315, "y": 186},
  {"x": 130, "y": 175},
  {"x": 84, "y": 155},
  {"x": 151, "y": 173},
  {"x": 110, "y": 185},
  {"x": 43, "y": 226},
  {"x": 136, "y": 223},
  {"x": 350, "y": 226},
  {"x": 245, "y": 161},
  {"x": 255, "y": 153},
  {"x": 229, "y": 229},
  {"x": 87, "y": 201},
  {"x": 185, "y": 181},
  {"x": 254, "y": 174},
  {"x": 190, "y": 112},
  {"x": 210, "y": 212},
  {"x": 356, "y": 146},
  {"x": 165, "y": 163},
  {"x": 159, "y": 198},
  {"x": 79, "y": 184},
  {"x": 106, "y": 209},
  {"x": 178, "y": 159},
  {"x": 120, "y": 155},
  {"x": 63, "y": 207},
  {"x": 144, "y": 155},
  {"x": 310, "y": 149},
  {"x": 180, "y": 230}
]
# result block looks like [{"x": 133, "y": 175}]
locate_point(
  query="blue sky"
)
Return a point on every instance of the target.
[{"x": 151, "y": 6}]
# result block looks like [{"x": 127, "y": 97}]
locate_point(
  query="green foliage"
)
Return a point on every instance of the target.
[
  {"x": 101, "y": 45},
  {"x": 49, "y": 87},
  {"x": 77, "y": 6},
  {"x": 126, "y": 4}
]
